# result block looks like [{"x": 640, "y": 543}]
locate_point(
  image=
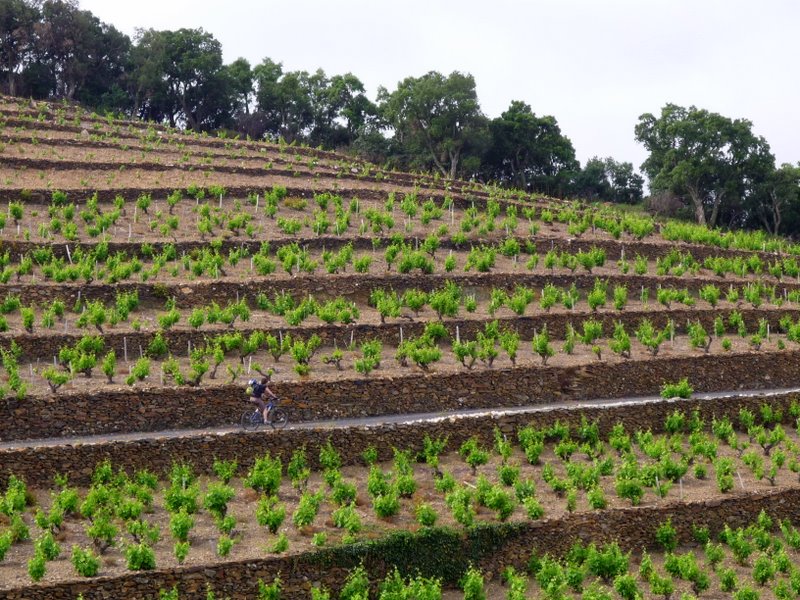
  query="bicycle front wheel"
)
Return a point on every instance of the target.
[
  {"x": 251, "y": 419},
  {"x": 278, "y": 418}
]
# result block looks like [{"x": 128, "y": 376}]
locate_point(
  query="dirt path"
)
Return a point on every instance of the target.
[{"x": 386, "y": 419}]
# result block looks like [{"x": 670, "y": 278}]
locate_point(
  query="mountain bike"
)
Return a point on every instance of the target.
[{"x": 276, "y": 417}]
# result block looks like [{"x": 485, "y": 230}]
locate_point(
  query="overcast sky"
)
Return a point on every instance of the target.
[{"x": 595, "y": 65}]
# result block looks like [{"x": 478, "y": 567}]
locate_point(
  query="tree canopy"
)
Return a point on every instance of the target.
[
  {"x": 605, "y": 178},
  {"x": 711, "y": 159},
  {"x": 530, "y": 152},
  {"x": 436, "y": 119}
]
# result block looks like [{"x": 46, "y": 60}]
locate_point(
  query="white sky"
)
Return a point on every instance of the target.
[{"x": 595, "y": 65}]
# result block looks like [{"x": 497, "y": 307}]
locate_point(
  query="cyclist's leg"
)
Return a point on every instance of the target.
[
  {"x": 262, "y": 406},
  {"x": 268, "y": 410}
]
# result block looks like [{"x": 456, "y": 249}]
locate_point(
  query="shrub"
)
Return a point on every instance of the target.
[
  {"x": 265, "y": 475},
  {"x": 307, "y": 508},
  {"x": 102, "y": 532},
  {"x": 763, "y": 569},
  {"x": 356, "y": 586},
  {"x": 460, "y": 503},
  {"x": 346, "y": 517},
  {"x": 182, "y": 494},
  {"x": 446, "y": 483},
  {"x": 297, "y": 469},
  {"x": 329, "y": 457},
  {"x": 224, "y": 545},
  {"x": 225, "y": 469},
  {"x": 37, "y": 566},
  {"x": 745, "y": 593},
  {"x": 216, "y": 499},
  {"x": 500, "y": 501},
  {"x": 370, "y": 455},
  {"x": 47, "y": 546},
  {"x": 649, "y": 337},
  {"x": 472, "y": 584},
  {"x": 723, "y": 468},
  {"x": 630, "y": 488},
  {"x": 541, "y": 345},
  {"x": 85, "y": 562},
  {"x": 597, "y": 498},
  {"x": 6, "y": 539},
  {"x": 144, "y": 532},
  {"x": 180, "y": 523},
  {"x": 508, "y": 473},
  {"x": 140, "y": 371},
  {"x": 426, "y": 515},
  {"x": 473, "y": 454},
  {"x": 270, "y": 514},
  {"x": 181, "y": 551},
  {"x": 607, "y": 562},
  {"x": 109, "y": 365},
  {"x": 140, "y": 557},
  {"x": 157, "y": 346},
  {"x": 343, "y": 492},
  {"x": 270, "y": 591},
  {"x": 667, "y": 536},
  {"x": 681, "y": 389},
  {"x": 625, "y": 586},
  {"x": 621, "y": 342},
  {"x": 386, "y": 505},
  {"x": 55, "y": 378}
]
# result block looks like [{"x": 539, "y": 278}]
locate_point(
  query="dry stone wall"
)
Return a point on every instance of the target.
[
  {"x": 158, "y": 409},
  {"x": 355, "y": 286},
  {"x": 42, "y": 345},
  {"x": 614, "y": 249},
  {"x": 633, "y": 528}
]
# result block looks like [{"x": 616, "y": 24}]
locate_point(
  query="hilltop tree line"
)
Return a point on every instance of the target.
[{"x": 701, "y": 164}]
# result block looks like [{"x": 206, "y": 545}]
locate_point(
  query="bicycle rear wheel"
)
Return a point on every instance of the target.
[
  {"x": 278, "y": 418},
  {"x": 251, "y": 419}
]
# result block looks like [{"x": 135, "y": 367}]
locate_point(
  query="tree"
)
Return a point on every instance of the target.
[
  {"x": 775, "y": 202},
  {"x": 282, "y": 100},
  {"x": 74, "y": 55},
  {"x": 591, "y": 182},
  {"x": 607, "y": 179},
  {"x": 341, "y": 111},
  {"x": 436, "y": 117},
  {"x": 703, "y": 155},
  {"x": 313, "y": 108},
  {"x": 240, "y": 76},
  {"x": 179, "y": 77},
  {"x": 530, "y": 152},
  {"x": 17, "y": 19}
]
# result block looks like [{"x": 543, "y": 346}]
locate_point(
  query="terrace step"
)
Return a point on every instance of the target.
[{"x": 37, "y": 461}]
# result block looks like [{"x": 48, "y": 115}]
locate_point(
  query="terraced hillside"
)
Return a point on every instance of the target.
[{"x": 149, "y": 274}]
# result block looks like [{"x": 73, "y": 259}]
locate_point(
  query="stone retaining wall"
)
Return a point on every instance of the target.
[
  {"x": 355, "y": 286},
  {"x": 633, "y": 528},
  {"x": 614, "y": 249},
  {"x": 43, "y": 346},
  {"x": 38, "y": 463},
  {"x": 159, "y": 408}
]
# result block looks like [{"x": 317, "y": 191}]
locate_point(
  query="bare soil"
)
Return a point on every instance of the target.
[{"x": 254, "y": 541}]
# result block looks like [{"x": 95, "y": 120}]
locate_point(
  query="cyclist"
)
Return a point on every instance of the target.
[{"x": 257, "y": 391}]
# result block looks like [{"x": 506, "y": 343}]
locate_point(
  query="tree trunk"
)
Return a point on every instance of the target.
[
  {"x": 712, "y": 222},
  {"x": 432, "y": 150},
  {"x": 453, "y": 164},
  {"x": 776, "y": 212},
  {"x": 699, "y": 210}
]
